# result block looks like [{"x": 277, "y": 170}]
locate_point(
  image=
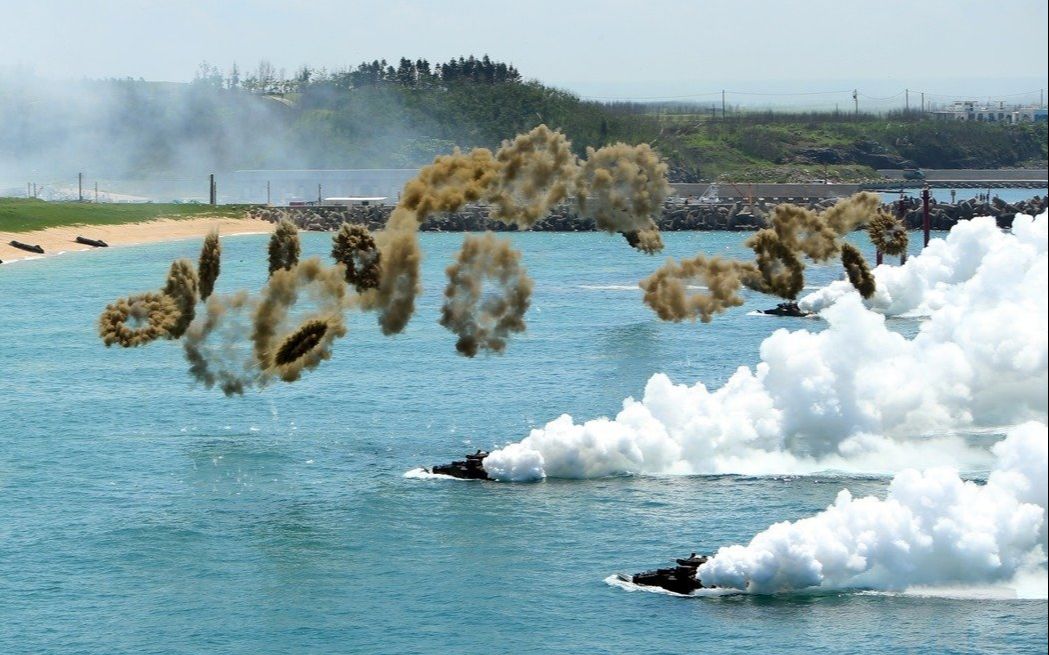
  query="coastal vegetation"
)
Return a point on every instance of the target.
[
  {"x": 24, "y": 215},
  {"x": 381, "y": 114}
]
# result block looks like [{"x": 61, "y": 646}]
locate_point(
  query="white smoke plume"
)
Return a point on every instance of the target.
[
  {"x": 933, "y": 529},
  {"x": 854, "y": 397},
  {"x": 925, "y": 283}
]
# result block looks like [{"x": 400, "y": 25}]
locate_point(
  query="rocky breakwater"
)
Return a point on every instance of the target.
[
  {"x": 943, "y": 216},
  {"x": 677, "y": 216}
]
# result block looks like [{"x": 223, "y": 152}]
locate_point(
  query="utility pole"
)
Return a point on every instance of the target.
[
  {"x": 901, "y": 214},
  {"x": 923, "y": 102},
  {"x": 267, "y": 193},
  {"x": 926, "y": 223},
  {"x": 723, "y": 103},
  {"x": 212, "y": 196},
  {"x": 27, "y": 193},
  {"x": 906, "y": 100},
  {"x": 80, "y": 186},
  {"x": 856, "y": 102},
  {"x": 318, "y": 195},
  {"x": 96, "y": 193}
]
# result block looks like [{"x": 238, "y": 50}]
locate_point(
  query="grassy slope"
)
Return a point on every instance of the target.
[
  {"x": 25, "y": 215},
  {"x": 770, "y": 148}
]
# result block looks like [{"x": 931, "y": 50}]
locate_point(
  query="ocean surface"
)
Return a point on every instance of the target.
[
  {"x": 140, "y": 513},
  {"x": 943, "y": 194}
]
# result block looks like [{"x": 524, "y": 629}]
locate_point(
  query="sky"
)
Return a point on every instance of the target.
[{"x": 608, "y": 49}]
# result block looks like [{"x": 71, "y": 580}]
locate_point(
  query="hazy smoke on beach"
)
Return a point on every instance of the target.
[
  {"x": 484, "y": 318},
  {"x": 114, "y": 130},
  {"x": 209, "y": 265}
]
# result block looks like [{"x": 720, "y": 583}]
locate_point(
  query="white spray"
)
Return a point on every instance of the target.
[
  {"x": 933, "y": 529},
  {"x": 855, "y": 397}
]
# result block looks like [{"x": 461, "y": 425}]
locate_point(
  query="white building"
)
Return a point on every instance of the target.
[{"x": 970, "y": 110}]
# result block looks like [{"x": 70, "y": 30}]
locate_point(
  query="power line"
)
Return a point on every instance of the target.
[{"x": 900, "y": 94}]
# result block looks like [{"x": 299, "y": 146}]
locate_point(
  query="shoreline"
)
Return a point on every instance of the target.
[{"x": 62, "y": 239}]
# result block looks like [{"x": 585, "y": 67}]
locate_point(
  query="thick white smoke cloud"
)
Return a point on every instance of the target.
[
  {"x": 854, "y": 397},
  {"x": 925, "y": 283},
  {"x": 932, "y": 529}
]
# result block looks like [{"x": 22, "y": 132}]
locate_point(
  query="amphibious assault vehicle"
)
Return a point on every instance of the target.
[
  {"x": 680, "y": 579},
  {"x": 789, "y": 308},
  {"x": 471, "y": 468}
]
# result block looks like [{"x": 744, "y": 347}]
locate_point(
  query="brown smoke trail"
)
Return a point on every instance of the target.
[
  {"x": 780, "y": 271},
  {"x": 535, "y": 171},
  {"x": 622, "y": 187},
  {"x": 181, "y": 286},
  {"x": 666, "y": 289},
  {"x": 284, "y": 246},
  {"x": 153, "y": 316},
  {"x": 216, "y": 348},
  {"x": 275, "y": 342},
  {"x": 484, "y": 322},
  {"x": 888, "y": 234},
  {"x": 848, "y": 214},
  {"x": 209, "y": 265},
  {"x": 648, "y": 240},
  {"x": 354, "y": 247},
  {"x": 804, "y": 231},
  {"x": 858, "y": 271},
  {"x": 446, "y": 185}
]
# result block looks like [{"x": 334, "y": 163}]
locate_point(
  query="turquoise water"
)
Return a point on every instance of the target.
[
  {"x": 943, "y": 194},
  {"x": 141, "y": 513}
]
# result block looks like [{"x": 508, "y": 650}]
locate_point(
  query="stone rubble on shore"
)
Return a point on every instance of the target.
[{"x": 677, "y": 216}]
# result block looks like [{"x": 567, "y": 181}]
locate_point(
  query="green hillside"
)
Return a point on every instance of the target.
[{"x": 381, "y": 115}]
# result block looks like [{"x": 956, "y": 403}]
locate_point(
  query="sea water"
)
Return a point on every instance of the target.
[{"x": 141, "y": 513}]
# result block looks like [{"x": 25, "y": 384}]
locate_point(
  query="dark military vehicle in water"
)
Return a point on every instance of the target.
[
  {"x": 680, "y": 579},
  {"x": 789, "y": 308},
  {"x": 471, "y": 468}
]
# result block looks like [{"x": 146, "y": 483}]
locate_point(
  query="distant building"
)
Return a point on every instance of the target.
[
  {"x": 970, "y": 110},
  {"x": 302, "y": 186}
]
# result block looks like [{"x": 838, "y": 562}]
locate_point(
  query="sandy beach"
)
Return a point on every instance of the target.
[{"x": 56, "y": 240}]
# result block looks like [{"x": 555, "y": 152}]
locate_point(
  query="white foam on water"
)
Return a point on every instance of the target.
[
  {"x": 619, "y": 581},
  {"x": 422, "y": 474}
]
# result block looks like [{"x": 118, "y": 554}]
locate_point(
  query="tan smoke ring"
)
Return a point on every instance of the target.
[
  {"x": 279, "y": 295},
  {"x": 158, "y": 311}
]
